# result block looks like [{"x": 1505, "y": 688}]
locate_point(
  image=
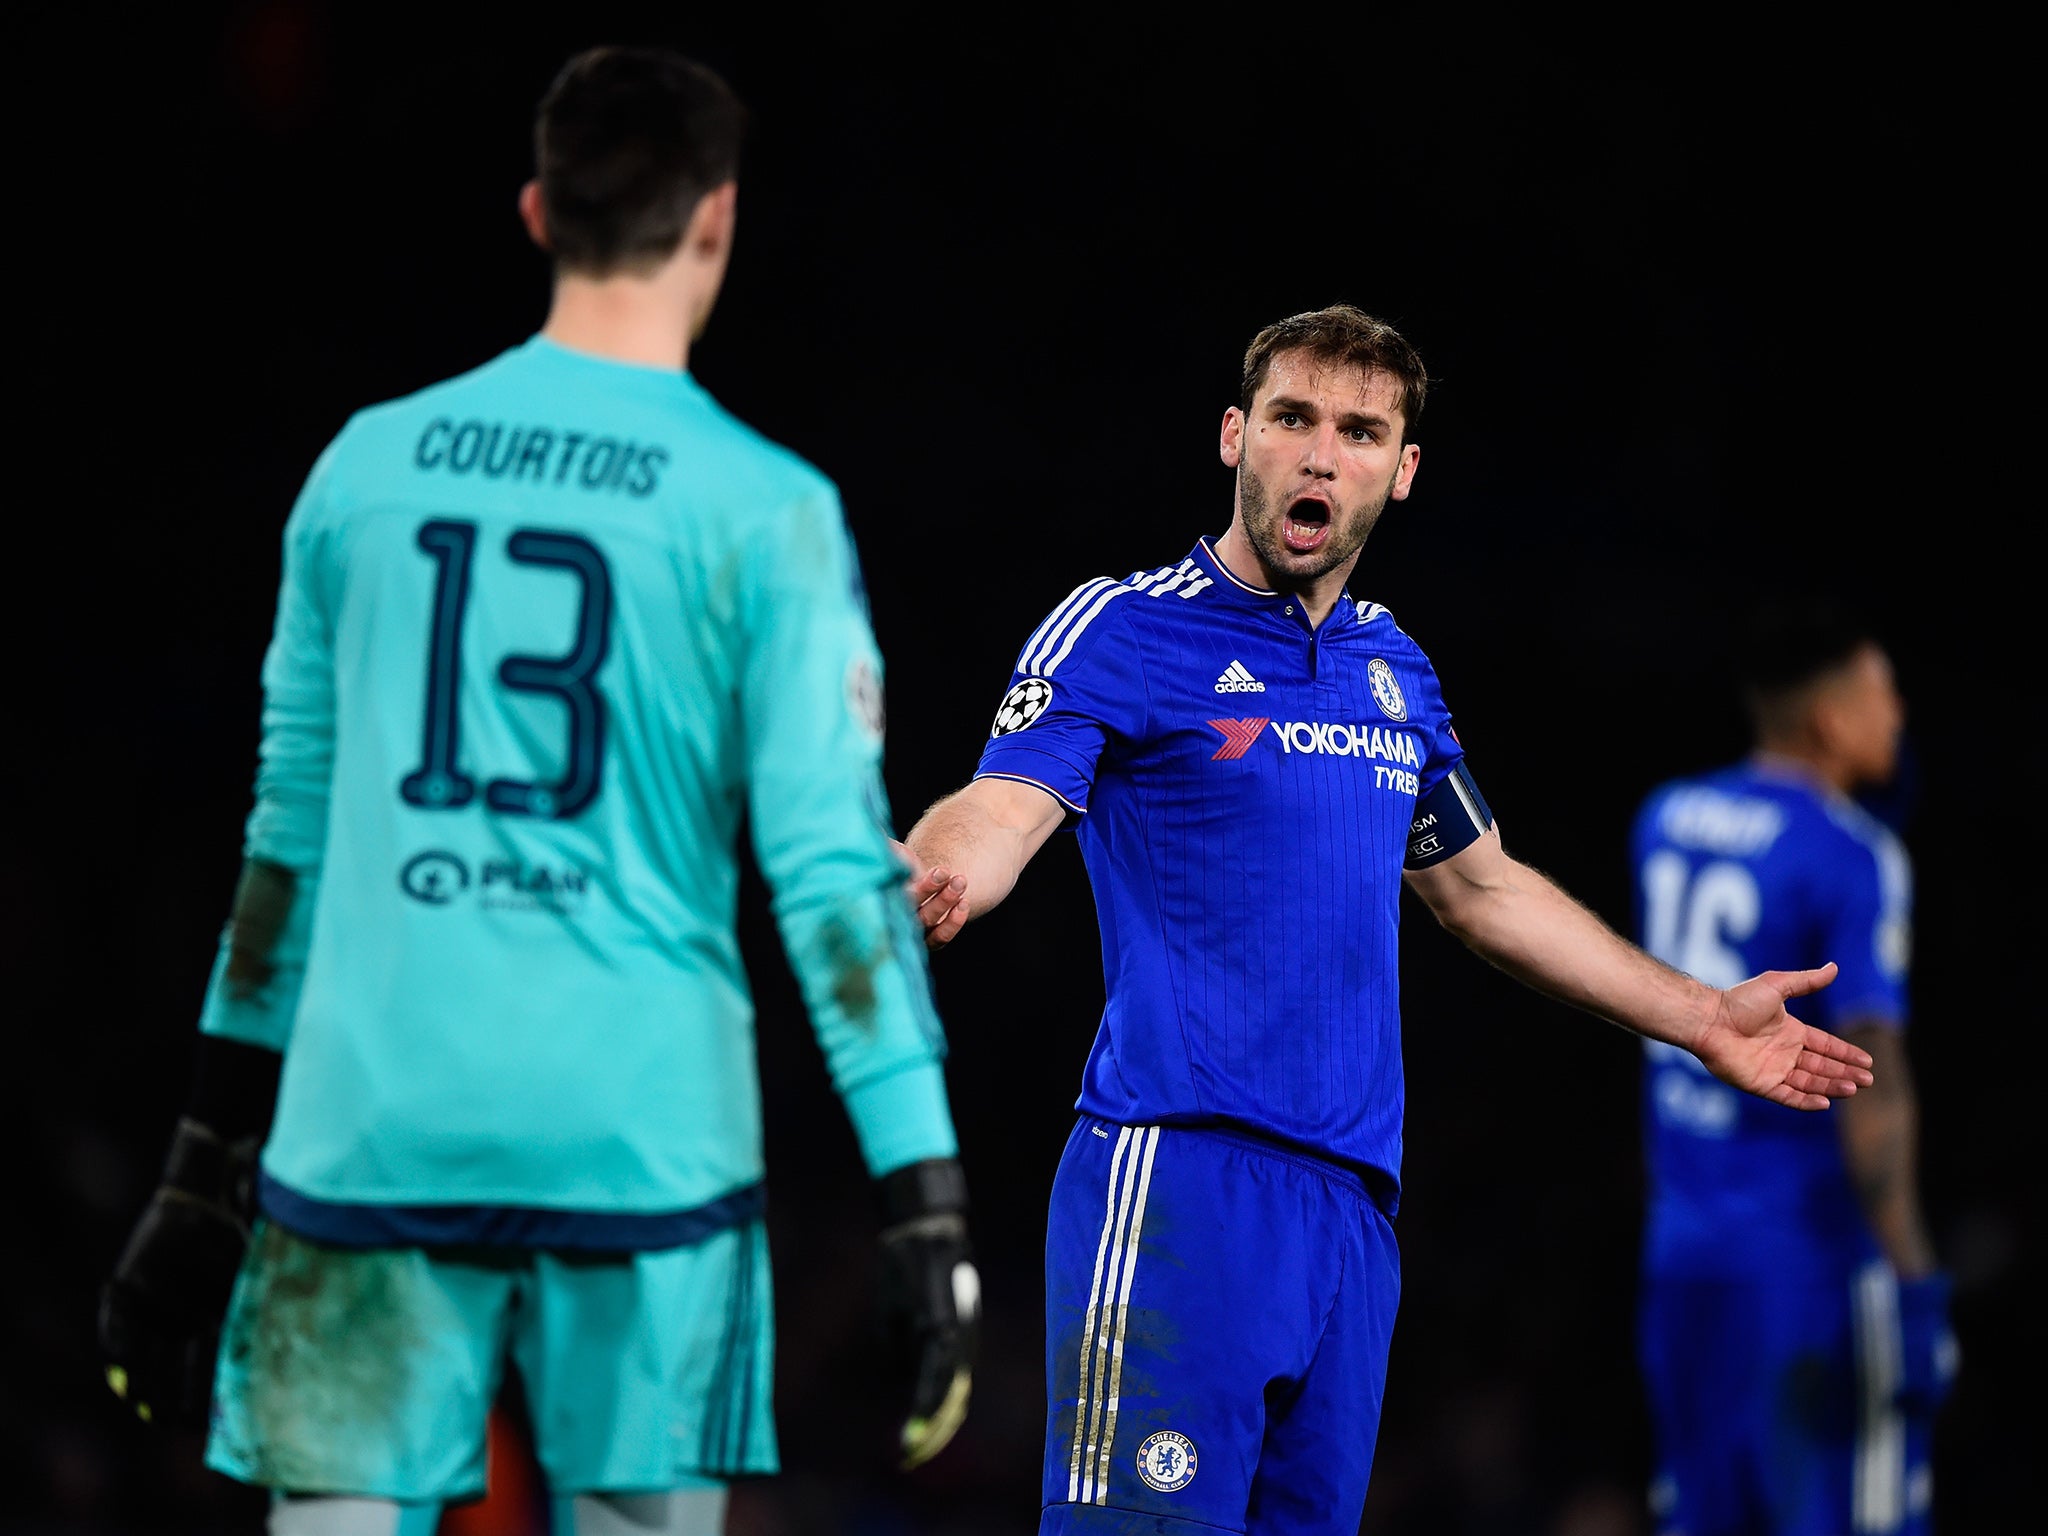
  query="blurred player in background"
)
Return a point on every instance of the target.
[
  {"x": 1254, "y": 759},
  {"x": 545, "y": 631},
  {"x": 1794, "y": 1332}
]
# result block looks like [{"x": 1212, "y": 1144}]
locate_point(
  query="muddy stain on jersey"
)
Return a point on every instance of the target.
[
  {"x": 852, "y": 966},
  {"x": 324, "y": 1342}
]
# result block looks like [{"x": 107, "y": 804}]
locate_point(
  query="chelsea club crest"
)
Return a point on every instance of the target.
[
  {"x": 1385, "y": 691},
  {"x": 1166, "y": 1461}
]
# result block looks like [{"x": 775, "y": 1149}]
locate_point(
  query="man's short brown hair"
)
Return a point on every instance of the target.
[
  {"x": 1341, "y": 335},
  {"x": 1788, "y": 645},
  {"x": 626, "y": 143}
]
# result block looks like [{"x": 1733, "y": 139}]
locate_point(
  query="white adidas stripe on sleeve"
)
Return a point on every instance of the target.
[
  {"x": 1043, "y": 635},
  {"x": 1050, "y": 664}
]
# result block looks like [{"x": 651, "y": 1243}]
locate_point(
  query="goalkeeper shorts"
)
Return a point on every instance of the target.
[
  {"x": 1218, "y": 1313},
  {"x": 372, "y": 1371}
]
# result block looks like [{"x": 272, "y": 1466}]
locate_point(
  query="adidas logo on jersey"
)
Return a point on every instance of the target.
[{"x": 1236, "y": 679}]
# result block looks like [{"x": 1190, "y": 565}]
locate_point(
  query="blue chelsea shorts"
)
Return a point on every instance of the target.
[{"x": 1218, "y": 1314}]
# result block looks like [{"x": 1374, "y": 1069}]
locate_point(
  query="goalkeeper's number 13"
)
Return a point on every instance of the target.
[{"x": 439, "y": 782}]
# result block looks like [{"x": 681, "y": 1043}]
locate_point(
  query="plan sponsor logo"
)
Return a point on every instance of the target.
[
  {"x": 514, "y": 885},
  {"x": 438, "y": 878},
  {"x": 433, "y": 878}
]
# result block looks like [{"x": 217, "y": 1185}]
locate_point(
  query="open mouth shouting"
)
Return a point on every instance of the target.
[{"x": 1305, "y": 525}]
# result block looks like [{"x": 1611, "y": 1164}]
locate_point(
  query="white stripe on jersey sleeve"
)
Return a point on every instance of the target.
[
  {"x": 1063, "y": 626},
  {"x": 1140, "y": 580},
  {"x": 1892, "y": 941},
  {"x": 1042, "y": 636},
  {"x": 1181, "y": 573},
  {"x": 1074, "y": 631}
]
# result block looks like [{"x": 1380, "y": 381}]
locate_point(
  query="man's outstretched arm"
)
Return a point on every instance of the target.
[
  {"x": 966, "y": 852},
  {"x": 1528, "y": 926},
  {"x": 1880, "y": 1145},
  {"x": 1880, "y": 1136}
]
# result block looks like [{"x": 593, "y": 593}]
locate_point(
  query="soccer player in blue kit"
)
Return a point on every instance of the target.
[
  {"x": 545, "y": 631},
  {"x": 1794, "y": 1333},
  {"x": 1255, "y": 760}
]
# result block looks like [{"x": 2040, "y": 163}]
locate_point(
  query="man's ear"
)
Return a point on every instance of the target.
[
  {"x": 1230, "y": 447},
  {"x": 709, "y": 234},
  {"x": 1404, "y": 474},
  {"x": 1829, "y": 719},
  {"x": 533, "y": 215}
]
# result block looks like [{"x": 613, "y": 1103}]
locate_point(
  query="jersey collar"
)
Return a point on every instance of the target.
[{"x": 1266, "y": 598}]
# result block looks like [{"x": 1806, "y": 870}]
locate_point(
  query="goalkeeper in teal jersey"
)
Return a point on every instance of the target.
[{"x": 546, "y": 631}]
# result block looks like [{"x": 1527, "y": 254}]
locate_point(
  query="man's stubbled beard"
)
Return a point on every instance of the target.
[{"x": 1262, "y": 528}]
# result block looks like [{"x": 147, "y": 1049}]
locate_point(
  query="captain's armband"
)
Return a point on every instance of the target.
[{"x": 1448, "y": 820}]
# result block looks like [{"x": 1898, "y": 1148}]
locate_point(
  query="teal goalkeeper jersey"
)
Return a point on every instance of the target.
[{"x": 545, "y": 632}]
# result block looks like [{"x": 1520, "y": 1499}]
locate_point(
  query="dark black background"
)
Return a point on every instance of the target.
[{"x": 1711, "y": 306}]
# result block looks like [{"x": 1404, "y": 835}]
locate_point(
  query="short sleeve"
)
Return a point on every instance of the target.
[
  {"x": 1444, "y": 751},
  {"x": 1078, "y": 685},
  {"x": 1866, "y": 929},
  {"x": 1450, "y": 812}
]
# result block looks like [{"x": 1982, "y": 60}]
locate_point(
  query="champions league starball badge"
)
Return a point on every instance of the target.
[
  {"x": 1385, "y": 691},
  {"x": 1022, "y": 705},
  {"x": 1166, "y": 1461},
  {"x": 864, "y": 698}
]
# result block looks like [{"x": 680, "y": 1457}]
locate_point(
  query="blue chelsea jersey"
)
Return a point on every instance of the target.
[
  {"x": 1247, "y": 790},
  {"x": 1757, "y": 867}
]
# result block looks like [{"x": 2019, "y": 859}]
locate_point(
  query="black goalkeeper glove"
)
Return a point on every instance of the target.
[
  {"x": 161, "y": 1312},
  {"x": 932, "y": 1293}
]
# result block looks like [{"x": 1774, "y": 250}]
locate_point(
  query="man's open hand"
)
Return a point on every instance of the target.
[
  {"x": 1755, "y": 1045},
  {"x": 939, "y": 895}
]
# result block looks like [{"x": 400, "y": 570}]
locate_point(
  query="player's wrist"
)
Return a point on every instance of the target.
[
  {"x": 930, "y": 1194},
  {"x": 1693, "y": 1019},
  {"x": 1917, "y": 1270},
  {"x": 1930, "y": 1289},
  {"x": 207, "y": 1166},
  {"x": 234, "y": 1088}
]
